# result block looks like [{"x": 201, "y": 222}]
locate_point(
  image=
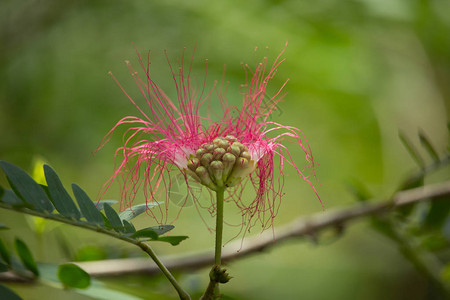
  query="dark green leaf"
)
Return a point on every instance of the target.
[
  {"x": 61, "y": 199},
  {"x": 26, "y": 187},
  {"x": 145, "y": 233},
  {"x": 26, "y": 257},
  {"x": 86, "y": 205},
  {"x": 73, "y": 276},
  {"x": 446, "y": 229},
  {"x": 173, "y": 240},
  {"x": 113, "y": 218},
  {"x": 10, "y": 198},
  {"x": 100, "y": 204},
  {"x": 3, "y": 227},
  {"x": 161, "y": 229},
  {"x": 129, "y": 228},
  {"x": 4, "y": 253},
  {"x": 8, "y": 294},
  {"x": 438, "y": 212},
  {"x": 106, "y": 221},
  {"x": 412, "y": 150},
  {"x": 3, "y": 267},
  {"x": 135, "y": 211},
  {"x": 426, "y": 143}
]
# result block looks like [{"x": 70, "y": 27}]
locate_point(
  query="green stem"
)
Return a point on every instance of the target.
[
  {"x": 212, "y": 291},
  {"x": 147, "y": 249},
  {"x": 219, "y": 226}
]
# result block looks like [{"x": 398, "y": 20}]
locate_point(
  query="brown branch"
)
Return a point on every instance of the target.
[{"x": 299, "y": 228}]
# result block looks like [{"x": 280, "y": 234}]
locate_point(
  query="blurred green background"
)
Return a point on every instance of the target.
[{"x": 359, "y": 72}]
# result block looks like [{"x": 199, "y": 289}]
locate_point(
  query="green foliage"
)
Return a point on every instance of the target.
[
  {"x": 59, "y": 196},
  {"x": 87, "y": 207},
  {"x": 26, "y": 257},
  {"x": 420, "y": 230},
  {"x": 31, "y": 198},
  {"x": 26, "y": 188},
  {"x": 7, "y": 293},
  {"x": 73, "y": 276},
  {"x": 133, "y": 212},
  {"x": 87, "y": 216},
  {"x": 4, "y": 253}
]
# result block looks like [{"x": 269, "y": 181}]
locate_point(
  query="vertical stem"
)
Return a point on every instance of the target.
[
  {"x": 219, "y": 226},
  {"x": 182, "y": 293}
]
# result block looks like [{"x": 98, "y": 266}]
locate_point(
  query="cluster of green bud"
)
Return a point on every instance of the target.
[{"x": 222, "y": 163}]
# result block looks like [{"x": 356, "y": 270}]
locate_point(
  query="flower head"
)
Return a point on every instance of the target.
[{"x": 242, "y": 146}]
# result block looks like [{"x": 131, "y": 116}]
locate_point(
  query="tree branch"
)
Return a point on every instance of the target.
[{"x": 301, "y": 227}]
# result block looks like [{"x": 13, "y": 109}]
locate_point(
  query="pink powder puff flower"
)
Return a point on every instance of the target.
[{"x": 243, "y": 144}]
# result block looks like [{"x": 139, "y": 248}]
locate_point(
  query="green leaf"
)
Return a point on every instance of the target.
[
  {"x": 4, "y": 253},
  {"x": 438, "y": 212},
  {"x": 73, "y": 276},
  {"x": 10, "y": 198},
  {"x": 412, "y": 150},
  {"x": 61, "y": 198},
  {"x": 173, "y": 240},
  {"x": 87, "y": 207},
  {"x": 145, "y": 233},
  {"x": 8, "y": 294},
  {"x": 3, "y": 267},
  {"x": 161, "y": 229},
  {"x": 129, "y": 228},
  {"x": 26, "y": 187},
  {"x": 3, "y": 226},
  {"x": 427, "y": 145},
  {"x": 136, "y": 210},
  {"x": 26, "y": 257},
  {"x": 113, "y": 218},
  {"x": 100, "y": 204}
]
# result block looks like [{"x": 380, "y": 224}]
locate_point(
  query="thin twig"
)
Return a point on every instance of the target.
[{"x": 299, "y": 228}]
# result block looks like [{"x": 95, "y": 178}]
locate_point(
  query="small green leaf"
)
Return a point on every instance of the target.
[
  {"x": 161, "y": 229},
  {"x": 61, "y": 198},
  {"x": 135, "y": 211},
  {"x": 3, "y": 226},
  {"x": 145, "y": 233},
  {"x": 9, "y": 197},
  {"x": 446, "y": 229},
  {"x": 100, "y": 204},
  {"x": 73, "y": 276},
  {"x": 173, "y": 240},
  {"x": 8, "y": 294},
  {"x": 412, "y": 150},
  {"x": 113, "y": 218},
  {"x": 26, "y": 257},
  {"x": 4, "y": 253},
  {"x": 26, "y": 187},
  {"x": 438, "y": 212},
  {"x": 129, "y": 228},
  {"x": 87, "y": 207},
  {"x": 427, "y": 145},
  {"x": 3, "y": 267}
]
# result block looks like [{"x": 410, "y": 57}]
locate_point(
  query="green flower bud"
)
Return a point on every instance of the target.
[
  {"x": 218, "y": 153},
  {"x": 246, "y": 155},
  {"x": 205, "y": 179},
  {"x": 235, "y": 150},
  {"x": 216, "y": 168},
  {"x": 206, "y": 159},
  {"x": 193, "y": 163}
]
